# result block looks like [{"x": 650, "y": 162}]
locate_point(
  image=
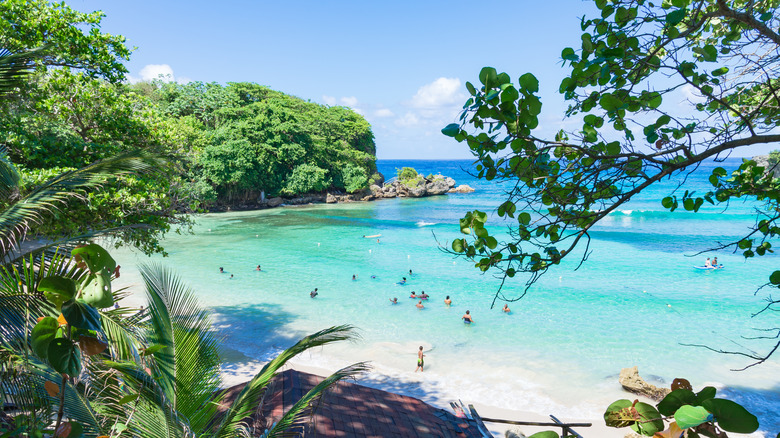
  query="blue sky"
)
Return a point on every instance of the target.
[{"x": 402, "y": 64}]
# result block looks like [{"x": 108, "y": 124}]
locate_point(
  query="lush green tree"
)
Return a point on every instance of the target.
[
  {"x": 625, "y": 81},
  {"x": 354, "y": 178},
  {"x": 306, "y": 178},
  {"x": 74, "y": 38}
]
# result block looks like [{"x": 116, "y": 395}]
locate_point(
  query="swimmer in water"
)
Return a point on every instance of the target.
[
  {"x": 423, "y": 295},
  {"x": 420, "y": 305},
  {"x": 447, "y": 301},
  {"x": 373, "y": 277},
  {"x": 313, "y": 293},
  {"x": 467, "y": 318},
  {"x": 413, "y": 295},
  {"x": 354, "y": 277},
  {"x": 258, "y": 268},
  {"x": 221, "y": 270},
  {"x": 506, "y": 308},
  {"x": 403, "y": 280},
  {"x": 394, "y": 301},
  {"x": 231, "y": 275},
  {"x": 410, "y": 272}
]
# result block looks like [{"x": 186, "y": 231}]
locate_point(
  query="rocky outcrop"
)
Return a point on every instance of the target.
[
  {"x": 632, "y": 382},
  {"x": 763, "y": 161},
  {"x": 436, "y": 185},
  {"x": 463, "y": 188}
]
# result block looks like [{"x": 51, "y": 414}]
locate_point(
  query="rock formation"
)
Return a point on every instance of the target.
[{"x": 631, "y": 382}]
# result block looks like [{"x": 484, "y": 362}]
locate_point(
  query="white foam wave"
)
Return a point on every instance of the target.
[{"x": 424, "y": 224}]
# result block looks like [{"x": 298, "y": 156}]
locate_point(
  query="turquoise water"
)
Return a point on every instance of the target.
[{"x": 634, "y": 302}]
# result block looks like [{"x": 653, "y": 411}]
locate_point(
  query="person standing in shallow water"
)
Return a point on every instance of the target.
[{"x": 420, "y": 361}]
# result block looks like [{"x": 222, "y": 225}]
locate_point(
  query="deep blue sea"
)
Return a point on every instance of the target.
[{"x": 635, "y": 301}]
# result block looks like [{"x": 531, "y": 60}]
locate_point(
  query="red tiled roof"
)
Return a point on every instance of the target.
[{"x": 351, "y": 410}]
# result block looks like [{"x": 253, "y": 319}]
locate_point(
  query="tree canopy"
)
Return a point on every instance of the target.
[{"x": 625, "y": 79}]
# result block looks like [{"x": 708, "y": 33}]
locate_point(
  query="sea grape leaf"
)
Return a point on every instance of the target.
[
  {"x": 731, "y": 416},
  {"x": 42, "y": 335},
  {"x": 707, "y": 393},
  {"x": 451, "y": 130},
  {"x": 674, "y": 400},
  {"x": 691, "y": 416},
  {"x": 545, "y": 434},
  {"x": 81, "y": 315},
  {"x": 97, "y": 290},
  {"x": 95, "y": 257},
  {"x": 91, "y": 346},
  {"x": 57, "y": 289},
  {"x": 619, "y": 414},
  {"x": 650, "y": 420},
  {"x": 64, "y": 357}
]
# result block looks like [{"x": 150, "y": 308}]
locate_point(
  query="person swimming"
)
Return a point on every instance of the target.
[
  {"x": 403, "y": 280},
  {"x": 506, "y": 308},
  {"x": 423, "y": 295},
  {"x": 447, "y": 301},
  {"x": 231, "y": 275},
  {"x": 394, "y": 301},
  {"x": 221, "y": 270},
  {"x": 420, "y": 305},
  {"x": 410, "y": 273},
  {"x": 467, "y": 318},
  {"x": 314, "y": 293},
  {"x": 413, "y": 295},
  {"x": 354, "y": 277},
  {"x": 258, "y": 268}
]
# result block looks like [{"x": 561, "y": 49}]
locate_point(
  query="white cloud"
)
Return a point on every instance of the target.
[
  {"x": 350, "y": 101},
  {"x": 329, "y": 100},
  {"x": 384, "y": 112},
  {"x": 691, "y": 95},
  {"x": 163, "y": 72},
  {"x": 439, "y": 93},
  {"x": 407, "y": 120}
]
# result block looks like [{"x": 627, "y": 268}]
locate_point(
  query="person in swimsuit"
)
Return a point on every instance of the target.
[
  {"x": 424, "y": 295},
  {"x": 467, "y": 318},
  {"x": 354, "y": 277},
  {"x": 313, "y": 293},
  {"x": 447, "y": 300},
  {"x": 420, "y": 305},
  {"x": 410, "y": 272},
  {"x": 708, "y": 264},
  {"x": 420, "y": 360},
  {"x": 412, "y": 295},
  {"x": 394, "y": 301},
  {"x": 258, "y": 268},
  {"x": 506, "y": 308},
  {"x": 715, "y": 262},
  {"x": 221, "y": 270}
]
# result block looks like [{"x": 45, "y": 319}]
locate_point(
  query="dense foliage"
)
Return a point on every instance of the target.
[
  {"x": 626, "y": 84},
  {"x": 227, "y": 144}
]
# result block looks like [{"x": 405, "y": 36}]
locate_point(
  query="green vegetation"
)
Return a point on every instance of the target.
[
  {"x": 623, "y": 88},
  {"x": 226, "y": 144},
  {"x": 409, "y": 177}
]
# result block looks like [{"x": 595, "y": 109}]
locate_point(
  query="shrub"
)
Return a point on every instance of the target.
[
  {"x": 354, "y": 178},
  {"x": 306, "y": 178}
]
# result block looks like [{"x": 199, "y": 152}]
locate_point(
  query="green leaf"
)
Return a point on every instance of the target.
[
  {"x": 95, "y": 257},
  {"x": 545, "y": 434},
  {"x": 158, "y": 347},
  {"x": 457, "y": 245},
  {"x": 675, "y": 17},
  {"x": 96, "y": 290},
  {"x": 451, "y": 130},
  {"x": 524, "y": 218},
  {"x": 617, "y": 414},
  {"x": 42, "y": 335},
  {"x": 609, "y": 102},
  {"x": 720, "y": 72},
  {"x": 568, "y": 54},
  {"x": 731, "y": 416},
  {"x": 127, "y": 399},
  {"x": 674, "y": 400},
  {"x": 655, "y": 100},
  {"x": 64, "y": 357},
  {"x": 488, "y": 76},
  {"x": 650, "y": 420},
  {"x": 470, "y": 87},
  {"x": 529, "y": 82},
  {"x": 81, "y": 315},
  {"x": 688, "y": 416},
  {"x": 57, "y": 289},
  {"x": 667, "y": 203},
  {"x": 707, "y": 393},
  {"x": 774, "y": 278}
]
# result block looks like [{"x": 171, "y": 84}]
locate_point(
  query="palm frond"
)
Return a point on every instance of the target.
[
  {"x": 189, "y": 365},
  {"x": 17, "y": 218},
  {"x": 14, "y": 67},
  {"x": 292, "y": 421},
  {"x": 9, "y": 177},
  {"x": 249, "y": 397}
]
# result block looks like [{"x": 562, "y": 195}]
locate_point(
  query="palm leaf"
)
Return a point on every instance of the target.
[
  {"x": 14, "y": 68},
  {"x": 16, "y": 219},
  {"x": 249, "y": 398},
  {"x": 189, "y": 363},
  {"x": 9, "y": 177}
]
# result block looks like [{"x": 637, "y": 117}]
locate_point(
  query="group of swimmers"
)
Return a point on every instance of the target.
[{"x": 222, "y": 270}]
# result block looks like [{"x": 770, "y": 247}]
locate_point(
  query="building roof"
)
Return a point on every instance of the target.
[{"x": 351, "y": 410}]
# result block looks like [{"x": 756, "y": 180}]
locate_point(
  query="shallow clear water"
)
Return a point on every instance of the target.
[{"x": 634, "y": 302}]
